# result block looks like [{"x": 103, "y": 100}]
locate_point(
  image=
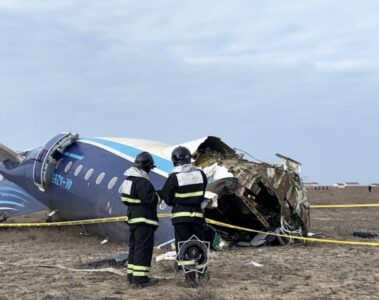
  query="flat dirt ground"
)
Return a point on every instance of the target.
[{"x": 30, "y": 260}]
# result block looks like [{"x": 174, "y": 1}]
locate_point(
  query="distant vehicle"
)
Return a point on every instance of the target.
[{"x": 81, "y": 178}]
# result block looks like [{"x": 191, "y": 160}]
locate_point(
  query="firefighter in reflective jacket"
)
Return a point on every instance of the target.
[
  {"x": 184, "y": 191},
  {"x": 139, "y": 195}
]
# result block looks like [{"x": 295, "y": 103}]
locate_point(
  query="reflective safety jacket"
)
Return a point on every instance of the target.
[
  {"x": 139, "y": 195},
  {"x": 184, "y": 191}
]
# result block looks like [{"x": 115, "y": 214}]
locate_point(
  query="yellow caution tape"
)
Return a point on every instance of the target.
[
  {"x": 163, "y": 215},
  {"x": 66, "y": 223},
  {"x": 210, "y": 221},
  {"x": 72, "y": 223},
  {"x": 344, "y": 205}
]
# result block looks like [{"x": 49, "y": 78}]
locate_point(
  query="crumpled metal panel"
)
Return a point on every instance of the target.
[{"x": 279, "y": 180}]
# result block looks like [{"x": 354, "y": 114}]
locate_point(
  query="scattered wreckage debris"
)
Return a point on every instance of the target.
[
  {"x": 118, "y": 260},
  {"x": 257, "y": 195},
  {"x": 365, "y": 235},
  {"x": 254, "y": 264},
  {"x": 102, "y": 270}
]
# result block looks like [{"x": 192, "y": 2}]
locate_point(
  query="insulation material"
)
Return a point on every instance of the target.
[{"x": 217, "y": 172}]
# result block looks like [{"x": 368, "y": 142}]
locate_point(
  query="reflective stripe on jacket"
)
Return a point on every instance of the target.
[
  {"x": 187, "y": 214},
  {"x": 184, "y": 191}
]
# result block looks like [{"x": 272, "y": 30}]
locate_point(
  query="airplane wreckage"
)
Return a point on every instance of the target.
[{"x": 81, "y": 178}]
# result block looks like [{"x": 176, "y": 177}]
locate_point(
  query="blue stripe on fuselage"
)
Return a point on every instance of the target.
[
  {"x": 12, "y": 195},
  {"x": 73, "y": 155},
  {"x": 7, "y": 208},
  {"x": 161, "y": 163},
  {"x": 9, "y": 188},
  {"x": 11, "y": 202}
]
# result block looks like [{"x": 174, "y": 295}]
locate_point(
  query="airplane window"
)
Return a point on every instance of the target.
[
  {"x": 100, "y": 178},
  {"x": 58, "y": 164},
  {"x": 78, "y": 170},
  {"x": 89, "y": 174},
  {"x": 120, "y": 189},
  {"x": 68, "y": 166},
  {"x": 112, "y": 182}
]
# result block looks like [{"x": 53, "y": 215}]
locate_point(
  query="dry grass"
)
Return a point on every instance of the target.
[{"x": 302, "y": 271}]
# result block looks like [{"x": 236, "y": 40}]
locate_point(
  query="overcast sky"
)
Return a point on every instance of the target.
[{"x": 296, "y": 77}]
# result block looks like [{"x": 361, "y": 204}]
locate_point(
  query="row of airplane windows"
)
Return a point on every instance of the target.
[{"x": 89, "y": 173}]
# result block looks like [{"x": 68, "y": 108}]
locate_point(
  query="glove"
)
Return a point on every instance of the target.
[
  {"x": 204, "y": 203},
  {"x": 159, "y": 198},
  {"x": 212, "y": 199}
]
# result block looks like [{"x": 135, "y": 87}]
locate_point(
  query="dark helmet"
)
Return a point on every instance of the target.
[
  {"x": 144, "y": 161},
  {"x": 181, "y": 156}
]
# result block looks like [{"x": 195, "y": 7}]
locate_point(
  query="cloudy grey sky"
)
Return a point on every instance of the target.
[{"x": 296, "y": 77}]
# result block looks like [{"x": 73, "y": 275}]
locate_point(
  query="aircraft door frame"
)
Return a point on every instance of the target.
[{"x": 45, "y": 162}]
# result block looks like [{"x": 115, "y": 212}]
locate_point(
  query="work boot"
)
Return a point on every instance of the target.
[
  {"x": 130, "y": 278},
  {"x": 190, "y": 281},
  {"x": 204, "y": 277},
  {"x": 145, "y": 281}
]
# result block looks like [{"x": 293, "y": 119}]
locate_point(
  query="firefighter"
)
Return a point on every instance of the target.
[
  {"x": 184, "y": 191},
  {"x": 139, "y": 195}
]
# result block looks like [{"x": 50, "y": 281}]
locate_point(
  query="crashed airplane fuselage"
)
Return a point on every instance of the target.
[{"x": 81, "y": 178}]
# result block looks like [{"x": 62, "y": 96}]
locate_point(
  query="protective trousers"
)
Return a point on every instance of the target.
[
  {"x": 184, "y": 231},
  {"x": 141, "y": 243}
]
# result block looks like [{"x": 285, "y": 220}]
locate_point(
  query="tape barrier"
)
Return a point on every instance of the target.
[
  {"x": 344, "y": 205},
  {"x": 76, "y": 222},
  {"x": 164, "y": 215},
  {"x": 66, "y": 223},
  {"x": 309, "y": 239}
]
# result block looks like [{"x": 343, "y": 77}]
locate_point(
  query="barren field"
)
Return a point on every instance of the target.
[{"x": 47, "y": 263}]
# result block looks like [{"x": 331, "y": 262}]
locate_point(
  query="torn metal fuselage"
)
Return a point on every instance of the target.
[{"x": 254, "y": 195}]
